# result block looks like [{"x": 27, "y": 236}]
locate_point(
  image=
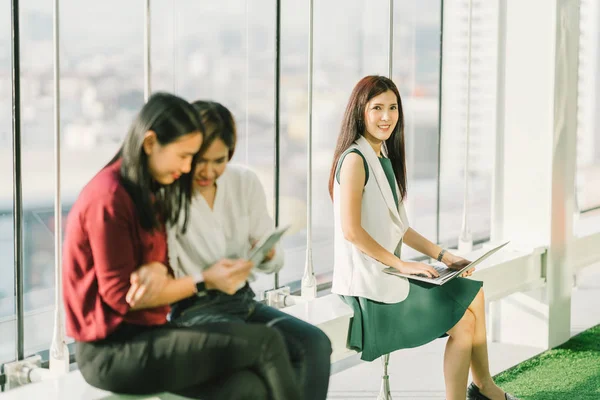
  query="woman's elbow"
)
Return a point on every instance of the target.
[{"x": 351, "y": 234}]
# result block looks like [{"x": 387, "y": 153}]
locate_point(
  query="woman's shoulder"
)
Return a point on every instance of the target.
[
  {"x": 239, "y": 170},
  {"x": 357, "y": 158},
  {"x": 104, "y": 190},
  {"x": 240, "y": 176}
]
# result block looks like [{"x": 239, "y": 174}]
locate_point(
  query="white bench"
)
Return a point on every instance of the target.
[
  {"x": 504, "y": 273},
  {"x": 72, "y": 386}
]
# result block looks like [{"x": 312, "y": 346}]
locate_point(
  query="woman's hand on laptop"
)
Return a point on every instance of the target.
[
  {"x": 455, "y": 262},
  {"x": 416, "y": 268}
]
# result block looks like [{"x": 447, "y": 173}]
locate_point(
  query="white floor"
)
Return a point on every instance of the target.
[
  {"x": 417, "y": 373},
  {"x": 414, "y": 374}
]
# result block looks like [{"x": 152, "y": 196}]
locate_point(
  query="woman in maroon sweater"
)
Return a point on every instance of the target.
[{"x": 118, "y": 285}]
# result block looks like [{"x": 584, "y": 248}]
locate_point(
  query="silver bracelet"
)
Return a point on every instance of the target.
[{"x": 441, "y": 255}]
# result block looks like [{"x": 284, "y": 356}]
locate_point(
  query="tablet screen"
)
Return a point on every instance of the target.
[{"x": 264, "y": 245}]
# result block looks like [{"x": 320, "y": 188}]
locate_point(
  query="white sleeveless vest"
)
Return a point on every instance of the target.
[{"x": 354, "y": 272}]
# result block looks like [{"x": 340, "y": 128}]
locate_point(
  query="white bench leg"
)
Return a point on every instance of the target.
[{"x": 384, "y": 393}]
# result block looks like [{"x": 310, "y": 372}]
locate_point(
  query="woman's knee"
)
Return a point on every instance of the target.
[
  {"x": 479, "y": 299},
  {"x": 465, "y": 327},
  {"x": 248, "y": 386},
  {"x": 477, "y": 306},
  {"x": 271, "y": 341},
  {"x": 307, "y": 341},
  {"x": 317, "y": 342},
  {"x": 239, "y": 385}
]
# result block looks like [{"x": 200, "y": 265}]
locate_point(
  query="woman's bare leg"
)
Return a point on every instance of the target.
[
  {"x": 457, "y": 357},
  {"x": 480, "y": 367}
]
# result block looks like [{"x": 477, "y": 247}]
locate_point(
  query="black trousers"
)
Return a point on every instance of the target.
[
  {"x": 216, "y": 361},
  {"x": 308, "y": 347}
]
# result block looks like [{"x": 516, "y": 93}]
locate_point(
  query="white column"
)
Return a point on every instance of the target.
[
  {"x": 528, "y": 120},
  {"x": 540, "y": 124},
  {"x": 560, "y": 268}
]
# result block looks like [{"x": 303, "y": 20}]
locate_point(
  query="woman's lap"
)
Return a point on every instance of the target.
[
  {"x": 308, "y": 347},
  {"x": 169, "y": 358},
  {"x": 428, "y": 313}
]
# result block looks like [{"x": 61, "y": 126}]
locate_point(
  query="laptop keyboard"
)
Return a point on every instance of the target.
[{"x": 443, "y": 271}]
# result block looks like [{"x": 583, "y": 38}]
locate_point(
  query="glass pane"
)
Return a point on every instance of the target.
[
  {"x": 416, "y": 72},
  {"x": 588, "y": 123},
  {"x": 224, "y": 52},
  {"x": 7, "y": 289},
  {"x": 454, "y": 117},
  {"x": 338, "y": 65},
  {"x": 101, "y": 90}
]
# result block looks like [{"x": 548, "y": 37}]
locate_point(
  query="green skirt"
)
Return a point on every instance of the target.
[{"x": 428, "y": 313}]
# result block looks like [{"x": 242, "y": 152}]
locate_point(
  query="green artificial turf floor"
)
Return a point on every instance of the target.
[{"x": 569, "y": 371}]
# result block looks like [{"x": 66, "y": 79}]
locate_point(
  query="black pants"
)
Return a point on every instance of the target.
[
  {"x": 308, "y": 347},
  {"x": 216, "y": 361}
]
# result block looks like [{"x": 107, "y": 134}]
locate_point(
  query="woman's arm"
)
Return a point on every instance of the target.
[
  {"x": 352, "y": 181},
  {"x": 119, "y": 278},
  {"x": 152, "y": 286},
  {"x": 108, "y": 223},
  {"x": 157, "y": 288},
  {"x": 413, "y": 239}
]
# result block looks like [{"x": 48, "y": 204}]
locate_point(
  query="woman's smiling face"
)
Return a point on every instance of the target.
[{"x": 381, "y": 116}]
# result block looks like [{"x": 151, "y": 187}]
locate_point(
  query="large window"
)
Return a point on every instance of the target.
[
  {"x": 225, "y": 52},
  {"x": 588, "y": 122}
]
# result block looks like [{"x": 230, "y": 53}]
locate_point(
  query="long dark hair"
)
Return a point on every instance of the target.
[
  {"x": 353, "y": 126},
  {"x": 219, "y": 124},
  {"x": 169, "y": 117}
]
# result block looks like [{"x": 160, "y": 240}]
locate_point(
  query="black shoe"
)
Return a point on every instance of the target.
[{"x": 473, "y": 393}]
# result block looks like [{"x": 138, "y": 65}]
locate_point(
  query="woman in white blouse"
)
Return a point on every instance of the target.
[{"x": 228, "y": 214}]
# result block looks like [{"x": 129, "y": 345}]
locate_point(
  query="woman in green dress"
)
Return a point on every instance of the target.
[{"x": 368, "y": 186}]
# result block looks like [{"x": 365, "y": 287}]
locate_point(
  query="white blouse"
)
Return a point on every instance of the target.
[{"x": 238, "y": 218}]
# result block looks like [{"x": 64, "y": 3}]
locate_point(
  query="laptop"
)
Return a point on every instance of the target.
[{"x": 446, "y": 274}]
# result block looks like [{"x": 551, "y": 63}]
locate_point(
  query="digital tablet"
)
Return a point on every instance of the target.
[{"x": 264, "y": 245}]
